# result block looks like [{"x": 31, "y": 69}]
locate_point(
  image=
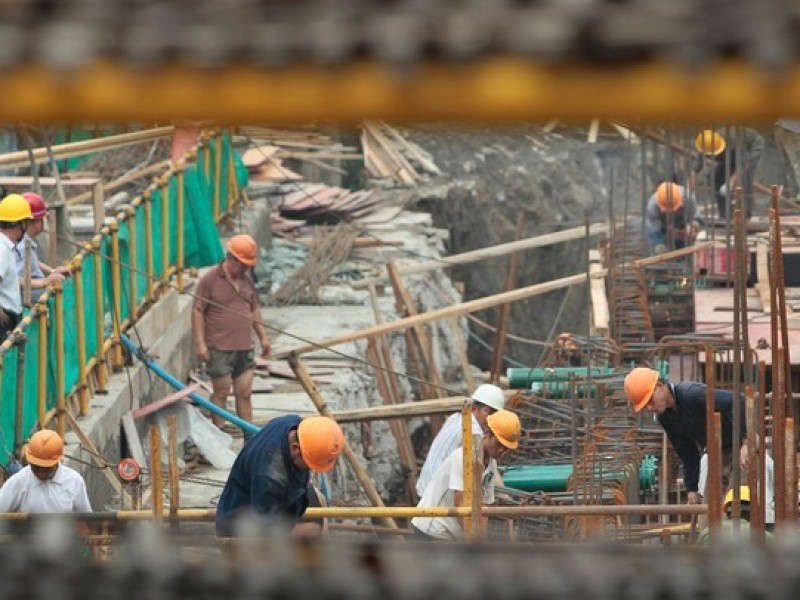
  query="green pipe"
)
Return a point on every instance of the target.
[
  {"x": 554, "y": 478},
  {"x": 523, "y": 378}
]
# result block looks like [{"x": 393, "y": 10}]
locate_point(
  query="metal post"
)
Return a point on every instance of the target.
[
  {"x": 20, "y": 340},
  {"x": 216, "y": 142},
  {"x": 156, "y": 483},
  {"x": 165, "y": 227},
  {"x": 469, "y": 479}
]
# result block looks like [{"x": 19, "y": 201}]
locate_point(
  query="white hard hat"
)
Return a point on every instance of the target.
[{"x": 490, "y": 395}]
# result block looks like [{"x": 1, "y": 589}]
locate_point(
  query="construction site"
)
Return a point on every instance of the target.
[{"x": 410, "y": 250}]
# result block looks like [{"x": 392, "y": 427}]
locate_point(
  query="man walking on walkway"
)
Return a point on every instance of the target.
[{"x": 226, "y": 308}]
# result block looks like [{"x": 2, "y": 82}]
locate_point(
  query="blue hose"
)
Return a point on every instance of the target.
[{"x": 197, "y": 398}]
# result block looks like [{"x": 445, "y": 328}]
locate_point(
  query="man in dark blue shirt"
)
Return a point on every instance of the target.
[
  {"x": 271, "y": 475},
  {"x": 681, "y": 410}
]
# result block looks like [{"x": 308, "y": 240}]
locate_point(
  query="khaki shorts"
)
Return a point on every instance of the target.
[{"x": 229, "y": 362}]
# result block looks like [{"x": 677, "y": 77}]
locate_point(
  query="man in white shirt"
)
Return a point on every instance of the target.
[
  {"x": 15, "y": 215},
  {"x": 446, "y": 489},
  {"x": 487, "y": 399},
  {"x": 45, "y": 485}
]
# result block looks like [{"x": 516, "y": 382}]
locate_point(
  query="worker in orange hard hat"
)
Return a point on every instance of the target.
[
  {"x": 271, "y": 477},
  {"x": 446, "y": 489},
  {"x": 41, "y": 275},
  {"x": 226, "y": 309},
  {"x": 45, "y": 485},
  {"x": 670, "y": 217},
  {"x": 681, "y": 410},
  {"x": 730, "y": 157}
]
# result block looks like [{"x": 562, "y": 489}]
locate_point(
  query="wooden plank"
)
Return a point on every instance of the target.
[
  {"x": 254, "y": 157},
  {"x": 594, "y": 129},
  {"x": 600, "y": 313},
  {"x": 179, "y": 396},
  {"x": 132, "y": 437},
  {"x": 464, "y": 258},
  {"x": 762, "y": 269},
  {"x": 27, "y": 181},
  {"x": 550, "y": 125}
]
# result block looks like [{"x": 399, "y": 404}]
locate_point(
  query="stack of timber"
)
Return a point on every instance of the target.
[
  {"x": 264, "y": 163},
  {"x": 318, "y": 203},
  {"x": 389, "y": 155}
]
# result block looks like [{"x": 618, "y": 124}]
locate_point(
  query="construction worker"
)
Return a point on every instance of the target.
[
  {"x": 727, "y": 169},
  {"x": 486, "y": 400},
  {"x": 727, "y": 523},
  {"x": 226, "y": 308},
  {"x": 681, "y": 410},
  {"x": 42, "y": 275},
  {"x": 670, "y": 218},
  {"x": 769, "y": 488},
  {"x": 271, "y": 476},
  {"x": 15, "y": 217},
  {"x": 45, "y": 485},
  {"x": 446, "y": 489}
]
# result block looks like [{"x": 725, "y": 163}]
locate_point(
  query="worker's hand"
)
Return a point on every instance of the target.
[
  {"x": 64, "y": 270},
  {"x": 266, "y": 347},
  {"x": 692, "y": 498},
  {"x": 743, "y": 456},
  {"x": 53, "y": 277},
  {"x": 5, "y": 319},
  {"x": 659, "y": 249},
  {"x": 201, "y": 350}
]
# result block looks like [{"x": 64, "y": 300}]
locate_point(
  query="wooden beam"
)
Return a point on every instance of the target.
[
  {"x": 26, "y": 181},
  {"x": 73, "y": 149},
  {"x": 492, "y": 252},
  {"x": 482, "y": 303},
  {"x": 406, "y": 410}
]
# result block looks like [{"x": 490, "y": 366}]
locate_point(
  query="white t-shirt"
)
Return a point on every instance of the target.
[
  {"x": 769, "y": 467},
  {"x": 446, "y": 441},
  {"x": 449, "y": 477},
  {"x": 23, "y": 492},
  {"x": 10, "y": 297}
]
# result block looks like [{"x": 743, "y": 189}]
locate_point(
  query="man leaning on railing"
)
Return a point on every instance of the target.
[{"x": 15, "y": 216}]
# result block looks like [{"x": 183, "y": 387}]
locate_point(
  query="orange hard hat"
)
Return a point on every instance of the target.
[
  {"x": 37, "y": 203},
  {"x": 668, "y": 195},
  {"x": 505, "y": 426},
  {"x": 45, "y": 448},
  {"x": 244, "y": 249},
  {"x": 709, "y": 141},
  {"x": 321, "y": 442},
  {"x": 639, "y": 386}
]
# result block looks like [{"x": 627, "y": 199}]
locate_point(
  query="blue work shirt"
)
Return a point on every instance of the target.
[
  {"x": 686, "y": 425},
  {"x": 264, "y": 480}
]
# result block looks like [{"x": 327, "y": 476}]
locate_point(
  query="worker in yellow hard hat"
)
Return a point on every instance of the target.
[
  {"x": 15, "y": 217},
  {"x": 446, "y": 489},
  {"x": 730, "y": 156},
  {"x": 680, "y": 409},
  {"x": 271, "y": 478},
  {"x": 670, "y": 217},
  {"x": 225, "y": 314},
  {"x": 728, "y": 531}
]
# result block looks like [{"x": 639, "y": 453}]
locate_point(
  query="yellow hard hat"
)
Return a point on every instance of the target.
[
  {"x": 14, "y": 208},
  {"x": 709, "y": 141},
  {"x": 744, "y": 496}
]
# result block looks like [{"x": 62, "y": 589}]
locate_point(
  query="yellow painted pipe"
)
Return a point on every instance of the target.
[
  {"x": 148, "y": 241},
  {"x": 467, "y": 457},
  {"x": 132, "y": 256},
  {"x": 181, "y": 242},
  {"x": 165, "y": 230},
  {"x": 216, "y": 140},
  {"x": 58, "y": 322},
  {"x": 102, "y": 365},
  {"x": 83, "y": 386},
  {"x": 41, "y": 368},
  {"x": 116, "y": 287}
]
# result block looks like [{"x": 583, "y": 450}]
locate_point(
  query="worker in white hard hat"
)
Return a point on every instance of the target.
[{"x": 486, "y": 400}]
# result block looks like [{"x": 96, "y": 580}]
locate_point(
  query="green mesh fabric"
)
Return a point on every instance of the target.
[{"x": 202, "y": 247}]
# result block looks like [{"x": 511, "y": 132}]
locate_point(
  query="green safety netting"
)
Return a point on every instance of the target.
[{"x": 202, "y": 247}]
